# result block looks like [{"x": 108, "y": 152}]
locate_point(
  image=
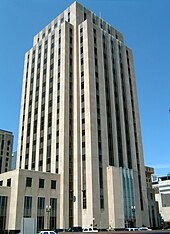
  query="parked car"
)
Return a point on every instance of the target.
[
  {"x": 47, "y": 232},
  {"x": 131, "y": 229},
  {"x": 75, "y": 229},
  {"x": 144, "y": 229},
  {"x": 60, "y": 230},
  {"x": 91, "y": 229}
]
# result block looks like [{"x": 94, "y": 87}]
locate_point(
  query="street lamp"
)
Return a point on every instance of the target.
[
  {"x": 93, "y": 222},
  {"x": 48, "y": 209}
]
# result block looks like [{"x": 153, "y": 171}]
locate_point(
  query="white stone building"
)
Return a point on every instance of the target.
[
  {"x": 79, "y": 120},
  {"x": 162, "y": 195},
  {"x": 25, "y": 193}
]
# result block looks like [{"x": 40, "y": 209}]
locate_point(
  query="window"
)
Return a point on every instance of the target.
[
  {"x": 41, "y": 183},
  {"x": 9, "y": 182},
  {"x": 68, "y": 16},
  {"x": 53, "y": 184},
  {"x": 1, "y": 182},
  {"x": 28, "y": 182},
  {"x": 95, "y": 51},
  {"x": 27, "y": 206},
  {"x": 82, "y": 98},
  {"x": 40, "y": 213},
  {"x": 85, "y": 16},
  {"x": 82, "y": 85},
  {"x": 53, "y": 213},
  {"x": 3, "y": 205},
  {"x": 62, "y": 20}
]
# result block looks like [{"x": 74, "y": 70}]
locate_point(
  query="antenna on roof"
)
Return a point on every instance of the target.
[{"x": 100, "y": 14}]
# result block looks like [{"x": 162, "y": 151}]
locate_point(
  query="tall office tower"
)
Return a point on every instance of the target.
[
  {"x": 79, "y": 118},
  {"x": 6, "y": 144}
]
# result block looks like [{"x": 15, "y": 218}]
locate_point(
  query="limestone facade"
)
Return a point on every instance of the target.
[
  {"x": 79, "y": 119},
  {"x": 27, "y": 184}
]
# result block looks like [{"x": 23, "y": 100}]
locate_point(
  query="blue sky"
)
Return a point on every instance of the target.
[{"x": 145, "y": 25}]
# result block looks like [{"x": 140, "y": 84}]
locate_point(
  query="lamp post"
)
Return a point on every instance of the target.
[
  {"x": 133, "y": 215},
  {"x": 48, "y": 209},
  {"x": 93, "y": 222}
]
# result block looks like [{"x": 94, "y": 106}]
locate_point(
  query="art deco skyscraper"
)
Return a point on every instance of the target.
[{"x": 79, "y": 118}]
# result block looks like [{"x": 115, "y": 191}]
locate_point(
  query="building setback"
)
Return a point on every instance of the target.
[
  {"x": 79, "y": 119},
  {"x": 6, "y": 144}
]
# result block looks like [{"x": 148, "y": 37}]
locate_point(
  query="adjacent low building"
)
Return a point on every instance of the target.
[
  {"x": 154, "y": 215},
  {"x": 29, "y": 194},
  {"x": 161, "y": 186}
]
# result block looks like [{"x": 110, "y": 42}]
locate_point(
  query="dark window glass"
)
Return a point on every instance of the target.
[
  {"x": 9, "y": 182},
  {"x": 85, "y": 16},
  {"x": 40, "y": 213},
  {"x": 27, "y": 206},
  {"x": 53, "y": 184},
  {"x": 41, "y": 183},
  {"x": 3, "y": 206},
  {"x": 53, "y": 213},
  {"x": 28, "y": 181}
]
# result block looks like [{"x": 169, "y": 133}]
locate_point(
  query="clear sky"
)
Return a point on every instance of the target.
[{"x": 145, "y": 25}]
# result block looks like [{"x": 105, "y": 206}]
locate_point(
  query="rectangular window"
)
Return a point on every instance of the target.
[
  {"x": 9, "y": 182},
  {"x": 53, "y": 184},
  {"x": 53, "y": 213},
  {"x": 27, "y": 206},
  {"x": 3, "y": 210},
  {"x": 41, "y": 183},
  {"x": 62, "y": 20},
  {"x": 28, "y": 181},
  {"x": 40, "y": 213},
  {"x": 85, "y": 16}
]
